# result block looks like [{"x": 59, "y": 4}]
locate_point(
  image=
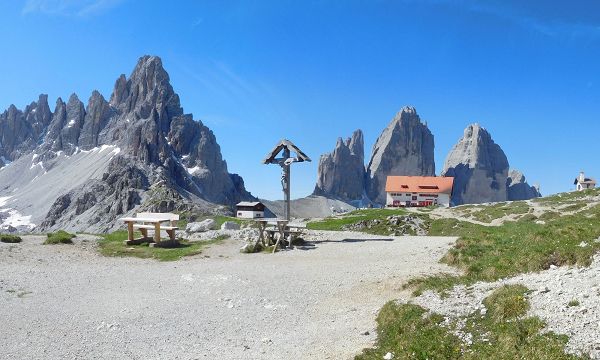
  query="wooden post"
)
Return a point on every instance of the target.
[
  {"x": 285, "y": 181},
  {"x": 157, "y": 232},
  {"x": 130, "y": 230}
]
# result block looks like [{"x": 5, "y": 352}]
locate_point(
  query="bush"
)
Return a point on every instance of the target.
[
  {"x": 59, "y": 237},
  {"x": 11, "y": 239}
]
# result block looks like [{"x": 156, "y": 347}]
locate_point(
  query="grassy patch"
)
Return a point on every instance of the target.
[
  {"x": 574, "y": 207},
  {"x": 113, "y": 245},
  {"x": 336, "y": 223},
  {"x": 507, "y": 303},
  {"x": 568, "y": 196},
  {"x": 59, "y": 237},
  {"x": 573, "y": 303},
  {"x": 410, "y": 332},
  {"x": 488, "y": 253},
  {"x": 11, "y": 239},
  {"x": 492, "y": 212}
]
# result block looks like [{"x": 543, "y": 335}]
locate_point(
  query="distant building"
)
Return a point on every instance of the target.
[
  {"x": 250, "y": 210},
  {"x": 584, "y": 183},
  {"x": 406, "y": 191}
]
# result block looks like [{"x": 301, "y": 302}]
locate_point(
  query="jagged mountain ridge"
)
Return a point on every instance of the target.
[{"x": 161, "y": 158}]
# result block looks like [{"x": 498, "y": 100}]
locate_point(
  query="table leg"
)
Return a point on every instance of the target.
[
  {"x": 130, "y": 230},
  {"x": 157, "y": 232},
  {"x": 261, "y": 233}
]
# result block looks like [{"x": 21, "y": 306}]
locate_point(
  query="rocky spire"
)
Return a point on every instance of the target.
[
  {"x": 405, "y": 147},
  {"x": 341, "y": 173},
  {"x": 518, "y": 188},
  {"x": 97, "y": 116},
  {"x": 479, "y": 167},
  {"x": 75, "y": 116},
  {"x": 16, "y": 133},
  {"x": 38, "y": 115}
]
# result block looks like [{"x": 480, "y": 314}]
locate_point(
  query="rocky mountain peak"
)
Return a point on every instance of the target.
[
  {"x": 479, "y": 166},
  {"x": 128, "y": 145},
  {"x": 405, "y": 147},
  {"x": 518, "y": 188},
  {"x": 341, "y": 173}
]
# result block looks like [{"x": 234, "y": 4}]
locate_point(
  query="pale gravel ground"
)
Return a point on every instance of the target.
[
  {"x": 66, "y": 302},
  {"x": 552, "y": 290}
]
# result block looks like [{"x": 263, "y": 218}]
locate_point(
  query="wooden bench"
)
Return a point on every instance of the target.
[
  {"x": 145, "y": 221},
  {"x": 173, "y": 218}
]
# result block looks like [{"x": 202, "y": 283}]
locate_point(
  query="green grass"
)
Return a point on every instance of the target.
[
  {"x": 568, "y": 196},
  {"x": 113, "y": 245},
  {"x": 410, "y": 332},
  {"x": 574, "y": 207},
  {"x": 488, "y": 213},
  {"x": 488, "y": 253},
  {"x": 11, "y": 239},
  {"x": 573, "y": 303},
  {"x": 59, "y": 237},
  {"x": 336, "y": 223},
  {"x": 507, "y": 303}
]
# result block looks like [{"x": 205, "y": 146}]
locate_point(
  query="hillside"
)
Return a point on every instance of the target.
[{"x": 547, "y": 246}]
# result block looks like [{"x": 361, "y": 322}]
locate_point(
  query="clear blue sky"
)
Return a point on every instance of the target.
[{"x": 257, "y": 71}]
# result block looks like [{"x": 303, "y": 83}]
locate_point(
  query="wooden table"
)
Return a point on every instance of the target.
[
  {"x": 262, "y": 226},
  {"x": 155, "y": 221}
]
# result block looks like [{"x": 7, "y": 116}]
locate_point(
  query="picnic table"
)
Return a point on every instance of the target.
[
  {"x": 150, "y": 221},
  {"x": 282, "y": 227}
]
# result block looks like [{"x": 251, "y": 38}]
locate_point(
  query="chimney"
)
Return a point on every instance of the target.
[{"x": 581, "y": 177}]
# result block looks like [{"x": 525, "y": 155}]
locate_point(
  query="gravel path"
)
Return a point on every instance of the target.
[{"x": 65, "y": 301}]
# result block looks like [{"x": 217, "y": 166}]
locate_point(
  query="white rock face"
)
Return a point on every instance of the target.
[
  {"x": 405, "y": 147},
  {"x": 479, "y": 167},
  {"x": 204, "y": 225}
]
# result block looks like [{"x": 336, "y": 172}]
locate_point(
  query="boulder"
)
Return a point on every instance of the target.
[
  {"x": 479, "y": 167},
  {"x": 230, "y": 225},
  {"x": 341, "y": 173},
  {"x": 405, "y": 147},
  {"x": 201, "y": 226}
]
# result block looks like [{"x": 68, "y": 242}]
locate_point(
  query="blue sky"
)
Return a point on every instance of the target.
[{"x": 257, "y": 71}]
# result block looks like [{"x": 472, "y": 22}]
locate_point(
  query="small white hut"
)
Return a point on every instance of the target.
[
  {"x": 250, "y": 210},
  {"x": 584, "y": 183}
]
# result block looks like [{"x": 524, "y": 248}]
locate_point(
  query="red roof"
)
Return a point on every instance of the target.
[{"x": 419, "y": 184}]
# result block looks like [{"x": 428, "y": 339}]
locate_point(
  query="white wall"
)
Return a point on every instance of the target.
[
  {"x": 244, "y": 214},
  {"x": 442, "y": 199}
]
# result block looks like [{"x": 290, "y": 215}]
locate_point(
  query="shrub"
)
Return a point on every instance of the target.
[
  {"x": 11, "y": 239},
  {"x": 59, "y": 237}
]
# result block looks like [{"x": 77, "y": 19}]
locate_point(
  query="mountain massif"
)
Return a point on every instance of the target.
[
  {"x": 406, "y": 147},
  {"x": 81, "y": 167}
]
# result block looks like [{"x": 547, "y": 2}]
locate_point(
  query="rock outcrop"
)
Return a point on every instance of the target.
[
  {"x": 405, "y": 147},
  {"x": 341, "y": 174},
  {"x": 518, "y": 189},
  {"x": 479, "y": 167},
  {"x": 149, "y": 154}
]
